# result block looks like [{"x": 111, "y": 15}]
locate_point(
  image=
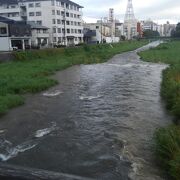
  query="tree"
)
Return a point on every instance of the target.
[
  {"x": 176, "y": 32},
  {"x": 150, "y": 33}
]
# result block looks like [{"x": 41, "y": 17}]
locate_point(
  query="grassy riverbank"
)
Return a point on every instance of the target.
[
  {"x": 30, "y": 70},
  {"x": 168, "y": 139}
]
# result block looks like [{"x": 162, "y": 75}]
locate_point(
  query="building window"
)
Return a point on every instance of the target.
[
  {"x": 68, "y": 31},
  {"x": 54, "y": 39},
  {"x": 13, "y": 6},
  {"x": 53, "y": 12},
  {"x": 67, "y": 14},
  {"x": 74, "y": 15},
  {"x": 72, "y": 23},
  {"x": 39, "y": 22},
  {"x": 62, "y": 4},
  {"x": 14, "y": 14},
  {"x": 38, "y": 31},
  {"x": 31, "y": 14},
  {"x": 72, "y": 31},
  {"x": 59, "y": 30},
  {"x": 58, "y": 21},
  {"x": 97, "y": 27},
  {"x": 53, "y": 21},
  {"x": 62, "y": 13},
  {"x": 59, "y": 39},
  {"x": 67, "y": 23},
  {"x": 52, "y": 2},
  {"x": 54, "y": 30},
  {"x": 31, "y": 5},
  {"x": 38, "y": 13},
  {"x": 44, "y": 31},
  {"x": 38, "y": 4},
  {"x": 3, "y": 30},
  {"x": 58, "y": 12}
]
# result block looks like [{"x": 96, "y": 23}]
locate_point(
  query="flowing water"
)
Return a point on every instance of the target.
[{"x": 98, "y": 122}]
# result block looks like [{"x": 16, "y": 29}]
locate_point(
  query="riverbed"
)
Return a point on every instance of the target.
[{"x": 97, "y": 123}]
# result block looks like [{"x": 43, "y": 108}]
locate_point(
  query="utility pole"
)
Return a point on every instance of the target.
[
  {"x": 101, "y": 29},
  {"x": 111, "y": 21},
  {"x": 64, "y": 18}
]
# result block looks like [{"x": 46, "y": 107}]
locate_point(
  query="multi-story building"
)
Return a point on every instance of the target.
[
  {"x": 149, "y": 25},
  {"x": 99, "y": 32},
  {"x": 62, "y": 17},
  {"x": 40, "y": 35},
  {"x": 96, "y": 32},
  {"x": 14, "y": 34},
  {"x": 119, "y": 29},
  {"x": 168, "y": 28}
]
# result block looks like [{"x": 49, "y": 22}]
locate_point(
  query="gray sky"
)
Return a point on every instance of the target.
[{"x": 158, "y": 10}]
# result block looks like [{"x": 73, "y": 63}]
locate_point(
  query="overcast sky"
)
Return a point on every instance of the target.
[{"x": 158, "y": 10}]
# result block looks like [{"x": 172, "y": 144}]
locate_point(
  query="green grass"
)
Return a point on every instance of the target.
[
  {"x": 168, "y": 139},
  {"x": 30, "y": 70},
  {"x": 168, "y": 150},
  {"x": 170, "y": 90}
]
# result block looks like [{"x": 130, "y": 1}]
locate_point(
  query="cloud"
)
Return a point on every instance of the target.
[{"x": 144, "y": 9}]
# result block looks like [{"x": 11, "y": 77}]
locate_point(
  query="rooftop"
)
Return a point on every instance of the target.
[
  {"x": 16, "y": 1},
  {"x": 6, "y": 20}
]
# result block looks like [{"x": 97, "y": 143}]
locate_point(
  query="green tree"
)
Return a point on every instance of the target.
[
  {"x": 176, "y": 32},
  {"x": 150, "y": 33}
]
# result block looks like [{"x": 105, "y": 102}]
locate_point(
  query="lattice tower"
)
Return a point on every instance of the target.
[{"x": 129, "y": 16}]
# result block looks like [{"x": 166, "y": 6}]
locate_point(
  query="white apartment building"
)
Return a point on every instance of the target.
[
  {"x": 62, "y": 17},
  {"x": 100, "y": 32},
  {"x": 149, "y": 25}
]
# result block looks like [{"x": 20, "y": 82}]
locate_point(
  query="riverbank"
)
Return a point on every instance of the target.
[
  {"x": 30, "y": 70},
  {"x": 168, "y": 139}
]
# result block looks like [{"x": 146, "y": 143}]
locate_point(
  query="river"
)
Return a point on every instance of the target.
[{"x": 97, "y": 123}]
